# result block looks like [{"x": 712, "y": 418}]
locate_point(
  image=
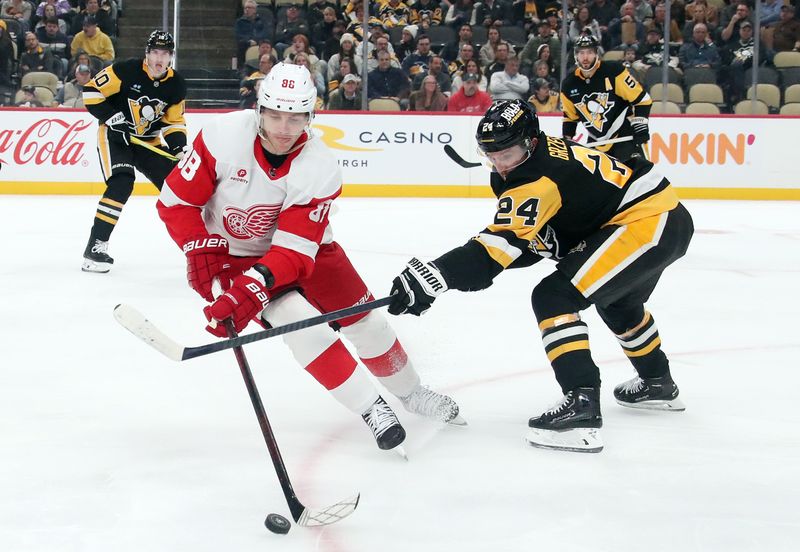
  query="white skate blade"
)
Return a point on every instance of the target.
[
  {"x": 457, "y": 421},
  {"x": 675, "y": 405},
  {"x": 92, "y": 266},
  {"x": 573, "y": 440}
]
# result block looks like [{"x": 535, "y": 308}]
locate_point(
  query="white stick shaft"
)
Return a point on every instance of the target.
[{"x": 610, "y": 141}]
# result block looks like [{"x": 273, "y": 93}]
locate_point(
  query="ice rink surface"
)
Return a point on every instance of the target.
[{"x": 106, "y": 445}]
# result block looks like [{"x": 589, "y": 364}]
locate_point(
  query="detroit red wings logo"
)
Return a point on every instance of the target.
[{"x": 255, "y": 222}]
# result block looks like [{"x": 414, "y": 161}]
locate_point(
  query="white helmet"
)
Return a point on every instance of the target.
[{"x": 288, "y": 88}]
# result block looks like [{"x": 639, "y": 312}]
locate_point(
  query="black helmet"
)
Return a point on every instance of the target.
[
  {"x": 160, "y": 40},
  {"x": 586, "y": 41},
  {"x": 507, "y": 123}
]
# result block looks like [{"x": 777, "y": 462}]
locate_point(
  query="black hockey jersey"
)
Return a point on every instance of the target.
[
  {"x": 553, "y": 201},
  {"x": 603, "y": 102},
  {"x": 151, "y": 107}
]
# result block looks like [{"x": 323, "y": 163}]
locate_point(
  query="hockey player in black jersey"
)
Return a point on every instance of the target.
[
  {"x": 142, "y": 98},
  {"x": 611, "y": 228},
  {"x": 610, "y": 103}
]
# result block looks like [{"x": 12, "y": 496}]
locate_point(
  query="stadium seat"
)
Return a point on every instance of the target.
[
  {"x": 786, "y": 59},
  {"x": 384, "y": 104},
  {"x": 668, "y": 108},
  {"x": 790, "y": 109},
  {"x": 613, "y": 55},
  {"x": 698, "y": 75},
  {"x": 395, "y": 35},
  {"x": 674, "y": 93},
  {"x": 790, "y": 76},
  {"x": 745, "y": 107},
  {"x": 480, "y": 35},
  {"x": 705, "y": 92},
  {"x": 515, "y": 35},
  {"x": 41, "y": 78},
  {"x": 792, "y": 94},
  {"x": 767, "y": 93},
  {"x": 251, "y": 53},
  {"x": 766, "y": 75},
  {"x": 41, "y": 93},
  {"x": 440, "y": 35},
  {"x": 701, "y": 108},
  {"x": 653, "y": 76}
]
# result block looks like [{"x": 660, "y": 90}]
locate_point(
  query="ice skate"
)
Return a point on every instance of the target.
[
  {"x": 433, "y": 405},
  {"x": 385, "y": 426},
  {"x": 96, "y": 258},
  {"x": 649, "y": 393},
  {"x": 572, "y": 424}
]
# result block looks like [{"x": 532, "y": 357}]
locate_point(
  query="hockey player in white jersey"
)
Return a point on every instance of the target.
[{"x": 249, "y": 206}]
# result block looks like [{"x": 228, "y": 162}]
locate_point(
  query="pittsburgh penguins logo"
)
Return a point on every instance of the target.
[
  {"x": 145, "y": 112},
  {"x": 593, "y": 108},
  {"x": 545, "y": 244}
]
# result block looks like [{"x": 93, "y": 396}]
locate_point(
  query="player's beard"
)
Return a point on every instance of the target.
[{"x": 589, "y": 71}]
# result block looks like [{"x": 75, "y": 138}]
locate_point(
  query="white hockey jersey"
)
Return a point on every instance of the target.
[{"x": 225, "y": 185}]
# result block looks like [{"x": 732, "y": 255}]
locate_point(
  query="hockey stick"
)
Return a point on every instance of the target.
[
  {"x": 609, "y": 141},
  {"x": 302, "y": 515},
  {"x": 133, "y": 321},
  {"x": 453, "y": 154},
  {"x": 154, "y": 149}
]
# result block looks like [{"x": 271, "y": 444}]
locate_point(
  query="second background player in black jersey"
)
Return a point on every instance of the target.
[
  {"x": 142, "y": 98},
  {"x": 611, "y": 104}
]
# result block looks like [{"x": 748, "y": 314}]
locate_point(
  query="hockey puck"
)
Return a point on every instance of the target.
[{"x": 277, "y": 524}]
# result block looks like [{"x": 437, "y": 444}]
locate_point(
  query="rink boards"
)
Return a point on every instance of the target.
[{"x": 401, "y": 155}]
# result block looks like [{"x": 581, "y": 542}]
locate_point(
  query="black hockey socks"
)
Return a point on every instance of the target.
[
  {"x": 642, "y": 345},
  {"x": 565, "y": 336},
  {"x": 566, "y": 343},
  {"x": 109, "y": 208}
]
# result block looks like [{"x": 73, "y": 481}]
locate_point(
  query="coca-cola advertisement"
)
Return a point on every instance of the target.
[{"x": 37, "y": 145}]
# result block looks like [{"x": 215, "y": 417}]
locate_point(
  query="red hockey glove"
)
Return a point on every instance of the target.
[
  {"x": 245, "y": 300},
  {"x": 207, "y": 258}
]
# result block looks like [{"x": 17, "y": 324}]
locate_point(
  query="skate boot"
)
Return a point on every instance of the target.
[
  {"x": 572, "y": 424},
  {"x": 649, "y": 393},
  {"x": 431, "y": 404},
  {"x": 95, "y": 257},
  {"x": 384, "y": 424}
]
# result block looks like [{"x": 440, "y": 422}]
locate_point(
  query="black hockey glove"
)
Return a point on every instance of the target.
[
  {"x": 417, "y": 287},
  {"x": 179, "y": 152},
  {"x": 641, "y": 129},
  {"x": 118, "y": 129}
]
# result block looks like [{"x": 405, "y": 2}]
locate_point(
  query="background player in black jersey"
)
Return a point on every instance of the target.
[
  {"x": 610, "y": 103},
  {"x": 611, "y": 228},
  {"x": 142, "y": 98}
]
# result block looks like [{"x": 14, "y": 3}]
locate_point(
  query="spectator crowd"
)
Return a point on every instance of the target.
[
  {"x": 422, "y": 55},
  {"x": 459, "y": 55},
  {"x": 50, "y": 49}
]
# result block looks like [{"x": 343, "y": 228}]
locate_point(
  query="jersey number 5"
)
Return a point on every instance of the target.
[{"x": 189, "y": 165}]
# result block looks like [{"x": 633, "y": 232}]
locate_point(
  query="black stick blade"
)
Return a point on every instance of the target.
[{"x": 453, "y": 154}]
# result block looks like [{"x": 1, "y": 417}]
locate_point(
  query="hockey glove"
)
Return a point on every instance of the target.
[
  {"x": 118, "y": 129},
  {"x": 244, "y": 301},
  {"x": 179, "y": 152},
  {"x": 207, "y": 258},
  {"x": 416, "y": 288},
  {"x": 641, "y": 129}
]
